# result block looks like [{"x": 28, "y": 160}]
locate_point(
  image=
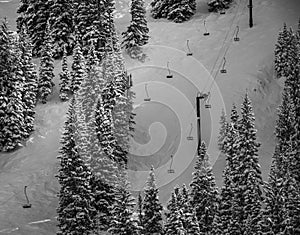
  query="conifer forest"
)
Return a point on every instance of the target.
[{"x": 150, "y": 117}]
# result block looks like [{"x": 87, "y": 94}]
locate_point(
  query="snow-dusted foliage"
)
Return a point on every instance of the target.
[
  {"x": 152, "y": 208},
  {"x": 175, "y": 10},
  {"x": 222, "y": 131},
  {"x": 218, "y": 5},
  {"x": 61, "y": 24},
  {"x": 29, "y": 93},
  {"x": 12, "y": 108},
  {"x": 285, "y": 52},
  {"x": 46, "y": 74},
  {"x": 78, "y": 68},
  {"x": 204, "y": 192},
  {"x": 136, "y": 34},
  {"x": 65, "y": 78},
  {"x": 123, "y": 221}
]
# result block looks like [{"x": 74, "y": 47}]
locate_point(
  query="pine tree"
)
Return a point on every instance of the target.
[
  {"x": 180, "y": 11},
  {"x": 75, "y": 211},
  {"x": 37, "y": 16},
  {"x": 12, "y": 121},
  {"x": 218, "y": 5},
  {"x": 152, "y": 208},
  {"x": 31, "y": 80},
  {"x": 136, "y": 34},
  {"x": 46, "y": 73},
  {"x": 159, "y": 8},
  {"x": 78, "y": 72},
  {"x": 22, "y": 11},
  {"x": 204, "y": 193},
  {"x": 140, "y": 212},
  {"x": 247, "y": 186},
  {"x": 174, "y": 224},
  {"x": 122, "y": 220},
  {"x": 223, "y": 130},
  {"x": 64, "y": 77},
  {"x": 285, "y": 52},
  {"x": 61, "y": 24}
]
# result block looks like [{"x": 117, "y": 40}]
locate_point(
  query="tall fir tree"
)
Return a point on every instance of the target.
[
  {"x": 65, "y": 78},
  {"x": 248, "y": 183},
  {"x": 136, "y": 34},
  {"x": 123, "y": 221},
  {"x": 61, "y": 24},
  {"x": 140, "y": 211},
  {"x": 180, "y": 11},
  {"x": 174, "y": 223},
  {"x": 31, "y": 80},
  {"x": 37, "y": 16},
  {"x": 285, "y": 52},
  {"x": 12, "y": 121},
  {"x": 204, "y": 192},
  {"x": 152, "y": 207},
  {"x": 75, "y": 211},
  {"x": 223, "y": 130},
  {"x": 22, "y": 14},
  {"x": 78, "y": 68},
  {"x": 46, "y": 71}
]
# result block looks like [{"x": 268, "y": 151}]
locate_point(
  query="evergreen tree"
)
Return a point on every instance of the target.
[
  {"x": 204, "y": 193},
  {"x": 152, "y": 208},
  {"x": 22, "y": 11},
  {"x": 122, "y": 220},
  {"x": 78, "y": 72},
  {"x": 218, "y": 5},
  {"x": 181, "y": 10},
  {"x": 37, "y": 16},
  {"x": 61, "y": 24},
  {"x": 223, "y": 130},
  {"x": 75, "y": 211},
  {"x": 247, "y": 186},
  {"x": 285, "y": 52},
  {"x": 31, "y": 80},
  {"x": 136, "y": 34},
  {"x": 140, "y": 212},
  {"x": 174, "y": 224},
  {"x": 46, "y": 73},
  {"x": 159, "y": 8},
  {"x": 12, "y": 121},
  {"x": 64, "y": 78}
]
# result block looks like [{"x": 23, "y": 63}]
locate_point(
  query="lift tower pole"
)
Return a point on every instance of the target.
[
  {"x": 198, "y": 107},
  {"x": 250, "y": 14}
]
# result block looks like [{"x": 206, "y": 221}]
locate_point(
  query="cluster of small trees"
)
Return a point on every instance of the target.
[
  {"x": 218, "y": 5},
  {"x": 18, "y": 88},
  {"x": 68, "y": 22}
]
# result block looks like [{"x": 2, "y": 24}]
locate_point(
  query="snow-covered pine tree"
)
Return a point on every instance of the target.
[
  {"x": 159, "y": 8},
  {"x": 78, "y": 68},
  {"x": 123, "y": 221},
  {"x": 204, "y": 192},
  {"x": 285, "y": 52},
  {"x": 22, "y": 13},
  {"x": 12, "y": 121},
  {"x": 65, "y": 78},
  {"x": 181, "y": 10},
  {"x": 140, "y": 211},
  {"x": 174, "y": 224},
  {"x": 38, "y": 13},
  {"x": 152, "y": 207},
  {"x": 31, "y": 80},
  {"x": 218, "y": 5},
  {"x": 248, "y": 185},
  {"x": 225, "y": 207},
  {"x": 136, "y": 34},
  {"x": 46, "y": 70},
  {"x": 222, "y": 131},
  {"x": 75, "y": 211},
  {"x": 61, "y": 24}
]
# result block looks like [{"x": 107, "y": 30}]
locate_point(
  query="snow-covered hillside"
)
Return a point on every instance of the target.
[{"x": 249, "y": 65}]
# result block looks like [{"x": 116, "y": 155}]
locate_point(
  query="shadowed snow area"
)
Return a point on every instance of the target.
[{"x": 163, "y": 123}]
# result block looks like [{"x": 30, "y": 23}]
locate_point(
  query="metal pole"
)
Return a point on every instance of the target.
[
  {"x": 250, "y": 14},
  {"x": 198, "y": 103}
]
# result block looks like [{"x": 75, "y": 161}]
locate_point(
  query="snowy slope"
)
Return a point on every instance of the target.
[{"x": 249, "y": 65}]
